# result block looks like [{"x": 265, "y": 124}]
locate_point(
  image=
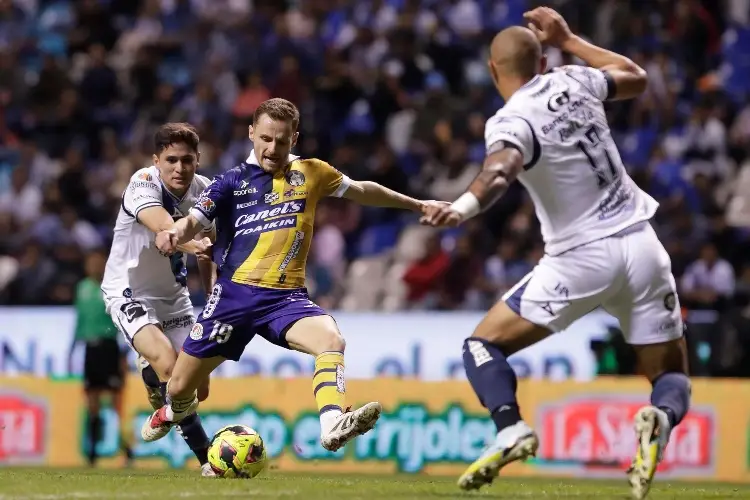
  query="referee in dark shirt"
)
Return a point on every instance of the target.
[{"x": 105, "y": 364}]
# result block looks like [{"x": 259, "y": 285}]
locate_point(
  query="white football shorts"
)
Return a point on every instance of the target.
[
  {"x": 628, "y": 274},
  {"x": 175, "y": 317}
]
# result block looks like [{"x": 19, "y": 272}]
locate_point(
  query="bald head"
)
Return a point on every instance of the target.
[{"x": 516, "y": 51}]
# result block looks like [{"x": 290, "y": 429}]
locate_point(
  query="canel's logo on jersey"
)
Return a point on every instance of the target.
[
  {"x": 288, "y": 208},
  {"x": 245, "y": 188}
]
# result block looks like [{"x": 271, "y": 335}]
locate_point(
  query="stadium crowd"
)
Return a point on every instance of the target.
[{"x": 394, "y": 91}]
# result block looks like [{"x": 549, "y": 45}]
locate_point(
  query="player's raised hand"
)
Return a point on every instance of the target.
[
  {"x": 439, "y": 214},
  {"x": 166, "y": 241},
  {"x": 548, "y": 26}
]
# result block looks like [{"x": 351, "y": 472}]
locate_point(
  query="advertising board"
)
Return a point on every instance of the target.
[
  {"x": 424, "y": 346},
  {"x": 427, "y": 427}
]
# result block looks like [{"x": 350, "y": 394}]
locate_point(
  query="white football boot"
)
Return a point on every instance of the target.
[
  {"x": 652, "y": 429},
  {"x": 349, "y": 425},
  {"x": 207, "y": 471},
  {"x": 517, "y": 442}
]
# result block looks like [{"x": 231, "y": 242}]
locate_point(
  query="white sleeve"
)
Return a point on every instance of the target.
[
  {"x": 599, "y": 83},
  {"x": 142, "y": 192},
  {"x": 503, "y": 130}
]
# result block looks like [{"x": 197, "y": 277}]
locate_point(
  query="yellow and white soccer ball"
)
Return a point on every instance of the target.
[{"x": 237, "y": 451}]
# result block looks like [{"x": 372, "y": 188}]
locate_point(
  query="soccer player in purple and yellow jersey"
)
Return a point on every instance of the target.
[{"x": 264, "y": 211}]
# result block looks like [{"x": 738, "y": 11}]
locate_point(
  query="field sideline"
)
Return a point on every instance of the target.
[{"x": 54, "y": 484}]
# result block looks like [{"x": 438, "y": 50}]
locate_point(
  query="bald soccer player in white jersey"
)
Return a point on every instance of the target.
[
  {"x": 600, "y": 250},
  {"x": 146, "y": 292}
]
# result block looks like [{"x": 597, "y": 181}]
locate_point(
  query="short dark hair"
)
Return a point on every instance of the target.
[
  {"x": 278, "y": 109},
  {"x": 174, "y": 133}
]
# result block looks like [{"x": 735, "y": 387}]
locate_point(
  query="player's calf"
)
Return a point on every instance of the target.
[
  {"x": 319, "y": 336},
  {"x": 665, "y": 365},
  {"x": 485, "y": 355}
]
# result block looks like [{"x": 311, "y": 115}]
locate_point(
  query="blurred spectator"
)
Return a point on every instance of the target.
[
  {"x": 423, "y": 277},
  {"x": 393, "y": 91}
]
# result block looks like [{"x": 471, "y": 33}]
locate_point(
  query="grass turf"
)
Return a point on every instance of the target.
[{"x": 54, "y": 484}]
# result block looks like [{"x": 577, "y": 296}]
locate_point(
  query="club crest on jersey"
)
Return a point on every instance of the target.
[
  {"x": 206, "y": 204},
  {"x": 145, "y": 176},
  {"x": 271, "y": 197},
  {"x": 295, "y": 178}
]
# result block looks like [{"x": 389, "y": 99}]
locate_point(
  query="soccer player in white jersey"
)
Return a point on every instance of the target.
[
  {"x": 600, "y": 249},
  {"x": 145, "y": 292}
]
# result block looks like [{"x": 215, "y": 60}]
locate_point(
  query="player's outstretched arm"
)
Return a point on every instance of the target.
[
  {"x": 375, "y": 195},
  {"x": 501, "y": 168},
  {"x": 181, "y": 232},
  {"x": 628, "y": 79}
]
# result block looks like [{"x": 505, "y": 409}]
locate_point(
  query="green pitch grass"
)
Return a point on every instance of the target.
[{"x": 54, "y": 484}]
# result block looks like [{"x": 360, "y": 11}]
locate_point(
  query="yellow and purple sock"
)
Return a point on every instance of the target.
[{"x": 329, "y": 387}]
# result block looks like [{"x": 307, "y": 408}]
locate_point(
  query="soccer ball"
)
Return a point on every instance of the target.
[{"x": 237, "y": 451}]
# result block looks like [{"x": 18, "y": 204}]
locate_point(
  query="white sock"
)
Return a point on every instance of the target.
[{"x": 327, "y": 420}]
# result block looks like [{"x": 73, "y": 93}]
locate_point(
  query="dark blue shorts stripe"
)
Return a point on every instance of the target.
[
  {"x": 323, "y": 384},
  {"x": 514, "y": 301}
]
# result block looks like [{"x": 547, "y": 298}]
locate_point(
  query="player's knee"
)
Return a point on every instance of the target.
[
  {"x": 178, "y": 387},
  {"x": 203, "y": 391},
  {"x": 332, "y": 341}
]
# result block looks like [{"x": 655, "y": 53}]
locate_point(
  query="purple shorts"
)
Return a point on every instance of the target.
[{"x": 235, "y": 313}]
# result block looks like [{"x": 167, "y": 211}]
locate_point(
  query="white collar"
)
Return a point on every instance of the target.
[{"x": 253, "y": 160}]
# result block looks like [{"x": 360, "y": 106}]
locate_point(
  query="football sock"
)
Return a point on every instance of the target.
[
  {"x": 179, "y": 408},
  {"x": 328, "y": 387},
  {"x": 94, "y": 427},
  {"x": 671, "y": 393},
  {"x": 493, "y": 380},
  {"x": 192, "y": 432}
]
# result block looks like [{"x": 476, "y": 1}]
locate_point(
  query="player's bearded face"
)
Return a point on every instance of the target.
[
  {"x": 273, "y": 140},
  {"x": 177, "y": 164}
]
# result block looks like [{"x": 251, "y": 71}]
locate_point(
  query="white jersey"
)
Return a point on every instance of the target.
[
  {"x": 135, "y": 268},
  {"x": 572, "y": 168}
]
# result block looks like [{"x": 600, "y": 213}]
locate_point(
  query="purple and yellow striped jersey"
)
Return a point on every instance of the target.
[{"x": 264, "y": 222}]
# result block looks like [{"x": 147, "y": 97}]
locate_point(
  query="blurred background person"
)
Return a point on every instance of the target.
[{"x": 105, "y": 364}]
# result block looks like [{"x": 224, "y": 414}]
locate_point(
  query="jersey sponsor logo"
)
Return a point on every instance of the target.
[
  {"x": 299, "y": 237},
  {"x": 213, "y": 301},
  {"x": 288, "y": 208},
  {"x": 180, "y": 322},
  {"x": 295, "y": 178},
  {"x": 270, "y": 197},
  {"x": 245, "y": 188},
  {"x": 145, "y": 176},
  {"x": 292, "y": 193},
  {"x": 196, "y": 333},
  {"x": 269, "y": 226},
  {"x": 247, "y": 204},
  {"x": 133, "y": 310},
  {"x": 597, "y": 433},
  {"x": 558, "y": 100},
  {"x": 143, "y": 184}
]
